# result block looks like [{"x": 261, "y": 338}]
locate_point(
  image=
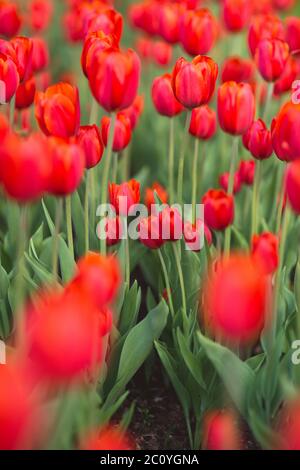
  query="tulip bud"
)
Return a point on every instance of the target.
[
  {"x": 258, "y": 140},
  {"x": 114, "y": 77},
  {"x": 161, "y": 53},
  {"x": 293, "y": 33},
  {"x": 150, "y": 195},
  {"x": 40, "y": 54},
  {"x": 203, "y": 122},
  {"x": 246, "y": 171},
  {"x": 89, "y": 139},
  {"x": 271, "y": 57},
  {"x": 9, "y": 76},
  {"x": 218, "y": 209},
  {"x": 264, "y": 250},
  {"x": 163, "y": 96},
  {"x": 197, "y": 31},
  {"x": 109, "y": 438},
  {"x": 236, "y": 107},
  {"x": 68, "y": 163},
  {"x": 58, "y": 110},
  {"x": 10, "y": 19},
  {"x": 224, "y": 180},
  {"x": 40, "y": 14},
  {"x": 122, "y": 133},
  {"x": 241, "y": 279},
  {"x": 150, "y": 232},
  {"x": 129, "y": 192},
  {"x": 194, "y": 82},
  {"x": 285, "y": 132},
  {"x": 236, "y": 14},
  {"x": 221, "y": 431},
  {"x": 293, "y": 185},
  {"x": 23, "y": 48},
  {"x": 25, "y": 94},
  {"x": 264, "y": 27},
  {"x": 238, "y": 69}
]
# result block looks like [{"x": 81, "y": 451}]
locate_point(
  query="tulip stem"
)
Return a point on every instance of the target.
[
  {"x": 181, "y": 157},
  {"x": 58, "y": 217},
  {"x": 235, "y": 149},
  {"x": 127, "y": 252},
  {"x": 171, "y": 161},
  {"x": 114, "y": 175},
  {"x": 176, "y": 250},
  {"x": 194, "y": 179},
  {"x": 167, "y": 282},
  {"x": 93, "y": 112},
  {"x": 106, "y": 167},
  {"x": 69, "y": 224},
  {"x": 255, "y": 198},
  {"x": 268, "y": 101},
  {"x": 86, "y": 211}
]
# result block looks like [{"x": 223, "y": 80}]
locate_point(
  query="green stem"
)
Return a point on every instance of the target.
[
  {"x": 107, "y": 160},
  {"x": 167, "y": 282},
  {"x": 69, "y": 223},
  {"x": 171, "y": 161},
  {"x": 176, "y": 251},
  {"x": 194, "y": 179},
  {"x": 86, "y": 212},
  {"x": 235, "y": 149},
  {"x": 181, "y": 157},
  {"x": 127, "y": 253},
  {"x": 58, "y": 217},
  {"x": 268, "y": 101},
  {"x": 255, "y": 198},
  {"x": 280, "y": 204},
  {"x": 94, "y": 112},
  {"x": 114, "y": 175}
]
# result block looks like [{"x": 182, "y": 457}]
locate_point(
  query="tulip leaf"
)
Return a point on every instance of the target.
[{"x": 66, "y": 260}]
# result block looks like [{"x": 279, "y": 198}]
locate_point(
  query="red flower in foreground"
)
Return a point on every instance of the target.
[
  {"x": 258, "y": 140},
  {"x": 264, "y": 249},
  {"x": 123, "y": 196},
  {"x": 122, "y": 132},
  {"x": 271, "y": 57},
  {"x": 221, "y": 431},
  {"x": 89, "y": 139},
  {"x": 293, "y": 185},
  {"x": 163, "y": 96},
  {"x": 109, "y": 438},
  {"x": 218, "y": 209},
  {"x": 288, "y": 426},
  {"x": 236, "y": 107},
  {"x": 285, "y": 132},
  {"x": 241, "y": 279}
]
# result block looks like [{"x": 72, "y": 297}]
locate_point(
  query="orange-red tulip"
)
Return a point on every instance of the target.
[
  {"x": 9, "y": 76},
  {"x": 89, "y": 139},
  {"x": 197, "y": 31},
  {"x": 122, "y": 133},
  {"x": 285, "y": 134},
  {"x": 218, "y": 209},
  {"x": 264, "y": 249},
  {"x": 25, "y": 93},
  {"x": 236, "y": 107},
  {"x": 271, "y": 57},
  {"x": 221, "y": 431},
  {"x": 236, "y": 14},
  {"x": 10, "y": 19},
  {"x": 129, "y": 191},
  {"x": 203, "y": 122},
  {"x": 258, "y": 140},
  {"x": 23, "y": 48},
  {"x": 163, "y": 96},
  {"x": 264, "y": 27}
]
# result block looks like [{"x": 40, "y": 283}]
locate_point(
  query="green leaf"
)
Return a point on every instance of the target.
[
  {"x": 67, "y": 263},
  {"x": 130, "y": 308},
  {"x": 191, "y": 361},
  {"x": 48, "y": 218}
]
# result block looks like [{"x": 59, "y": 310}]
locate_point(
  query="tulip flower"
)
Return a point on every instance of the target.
[
  {"x": 236, "y": 107},
  {"x": 238, "y": 69},
  {"x": 109, "y": 21},
  {"x": 150, "y": 232},
  {"x": 264, "y": 27},
  {"x": 285, "y": 135},
  {"x": 122, "y": 132},
  {"x": 236, "y": 14},
  {"x": 144, "y": 48},
  {"x": 89, "y": 139},
  {"x": 113, "y": 230},
  {"x": 246, "y": 171},
  {"x": 197, "y": 31},
  {"x": 283, "y": 4},
  {"x": 40, "y": 54},
  {"x": 150, "y": 195},
  {"x": 25, "y": 93},
  {"x": 163, "y": 96},
  {"x": 258, "y": 140},
  {"x": 169, "y": 18},
  {"x": 221, "y": 431},
  {"x": 194, "y": 235},
  {"x": 264, "y": 250},
  {"x": 241, "y": 279},
  {"x": 9, "y": 76},
  {"x": 293, "y": 33},
  {"x": 24, "y": 174},
  {"x": 161, "y": 53},
  {"x": 108, "y": 438},
  {"x": 218, "y": 209},
  {"x": 171, "y": 224},
  {"x": 57, "y": 110},
  {"x": 237, "y": 183},
  {"x": 293, "y": 185},
  {"x": 194, "y": 82},
  {"x": 114, "y": 77},
  {"x": 287, "y": 78},
  {"x": 10, "y": 19},
  {"x": 129, "y": 192},
  {"x": 203, "y": 123},
  {"x": 94, "y": 44},
  {"x": 23, "y": 48},
  {"x": 40, "y": 14},
  {"x": 271, "y": 57},
  {"x": 134, "y": 111},
  {"x": 288, "y": 426}
]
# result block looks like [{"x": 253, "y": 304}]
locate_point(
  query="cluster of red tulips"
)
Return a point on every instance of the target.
[{"x": 80, "y": 150}]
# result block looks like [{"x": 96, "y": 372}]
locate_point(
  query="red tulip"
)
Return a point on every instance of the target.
[
  {"x": 194, "y": 82},
  {"x": 161, "y": 53},
  {"x": 221, "y": 431},
  {"x": 150, "y": 195},
  {"x": 246, "y": 171},
  {"x": 4, "y": 127},
  {"x": 24, "y": 174},
  {"x": 113, "y": 230},
  {"x": 237, "y": 183},
  {"x": 236, "y": 107},
  {"x": 23, "y": 48},
  {"x": 285, "y": 132},
  {"x": 89, "y": 139},
  {"x": 271, "y": 57},
  {"x": 9, "y": 76},
  {"x": 264, "y": 27},
  {"x": 25, "y": 94},
  {"x": 134, "y": 111},
  {"x": 114, "y": 78},
  {"x": 150, "y": 232},
  {"x": 218, "y": 209},
  {"x": 40, "y": 14},
  {"x": 163, "y": 97},
  {"x": 8, "y": 49},
  {"x": 236, "y": 14},
  {"x": 258, "y": 140},
  {"x": 98, "y": 278},
  {"x": 238, "y": 69},
  {"x": 144, "y": 48},
  {"x": 122, "y": 133},
  {"x": 197, "y": 31},
  {"x": 169, "y": 18},
  {"x": 293, "y": 33},
  {"x": 287, "y": 78},
  {"x": 129, "y": 192},
  {"x": 264, "y": 250},
  {"x": 68, "y": 163},
  {"x": 58, "y": 110},
  {"x": 194, "y": 235},
  {"x": 171, "y": 224},
  {"x": 94, "y": 44},
  {"x": 283, "y": 4},
  {"x": 109, "y": 438},
  {"x": 40, "y": 54},
  {"x": 10, "y": 19},
  {"x": 288, "y": 426},
  {"x": 109, "y": 21},
  {"x": 293, "y": 185},
  {"x": 241, "y": 279},
  {"x": 203, "y": 122}
]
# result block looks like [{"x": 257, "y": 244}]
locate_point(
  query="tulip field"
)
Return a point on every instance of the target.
[{"x": 149, "y": 225}]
